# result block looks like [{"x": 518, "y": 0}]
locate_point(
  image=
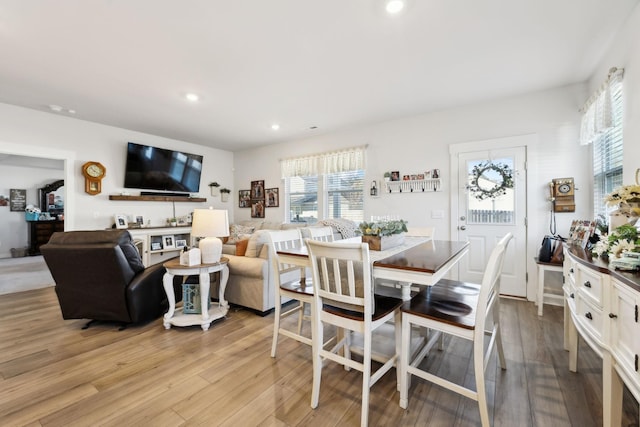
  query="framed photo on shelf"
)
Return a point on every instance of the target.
[
  {"x": 181, "y": 243},
  {"x": 121, "y": 221},
  {"x": 395, "y": 176},
  {"x": 273, "y": 198},
  {"x": 168, "y": 242},
  {"x": 139, "y": 220},
  {"x": 156, "y": 246},
  {"x": 244, "y": 198}
]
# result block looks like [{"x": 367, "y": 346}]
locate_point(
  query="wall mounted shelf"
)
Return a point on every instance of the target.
[
  {"x": 413, "y": 186},
  {"x": 159, "y": 198}
]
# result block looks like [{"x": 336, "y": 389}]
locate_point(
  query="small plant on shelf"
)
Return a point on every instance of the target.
[
  {"x": 214, "y": 184},
  {"x": 225, "y": 190},
  {"x": 387, "y": 176}
]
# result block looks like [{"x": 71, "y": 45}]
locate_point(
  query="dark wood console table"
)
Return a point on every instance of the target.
[{"x": 40, "y": 232}]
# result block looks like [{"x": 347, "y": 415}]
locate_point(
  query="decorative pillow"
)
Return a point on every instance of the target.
[
  {"x": 256, "y": 242},
  {"x": 239, "y": 232},
  {"x": 241, "y": 247}
]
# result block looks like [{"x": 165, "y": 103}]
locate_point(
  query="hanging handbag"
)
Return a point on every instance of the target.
[{"x": 546, "y": 249}]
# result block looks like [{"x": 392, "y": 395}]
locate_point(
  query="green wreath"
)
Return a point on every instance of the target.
[{"x": 504, "y": 181}]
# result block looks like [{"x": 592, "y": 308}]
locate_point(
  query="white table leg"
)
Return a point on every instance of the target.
[
  {"x": 405, "y": 287},
  {"x": 204, "y": 296},
  {"x": 167, "y": 283},
  {"x": 224, "y": 276}
]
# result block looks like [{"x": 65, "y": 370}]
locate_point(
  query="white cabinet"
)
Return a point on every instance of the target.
[
  {"x": 157, "y": 245},
  {"x": 601, "y": 307},
  {"x": 625, "y": 333}
]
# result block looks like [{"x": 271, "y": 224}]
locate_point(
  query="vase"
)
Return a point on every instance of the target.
[
  {"x": 224, "y": 197},
  {"x": 382, "y": 243}
]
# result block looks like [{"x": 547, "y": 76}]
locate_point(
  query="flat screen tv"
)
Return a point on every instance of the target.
[{"x": 153, "y": 168}]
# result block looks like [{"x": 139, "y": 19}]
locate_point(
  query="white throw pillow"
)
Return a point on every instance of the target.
[{"x": 239, "y": 232}]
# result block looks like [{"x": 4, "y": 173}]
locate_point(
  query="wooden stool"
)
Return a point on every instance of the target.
[{"x": 542, "y": 268}]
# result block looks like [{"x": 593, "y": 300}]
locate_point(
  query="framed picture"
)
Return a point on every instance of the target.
[
  {"x": 244, "y": 198},
  {"x": 168, "y": 242},
  {"x": 139, "y": 219},
  {"x": 181, "y": 243},
  {"x": 182, "y": 220},
  {"x": 156, "y": 246},
  {"x": 406, "y": 178},
  {"x": 121, "y": 221},
  {"x": 395, "y": 176},
  {"x": 257, "y": 190},
  {"x": 273, "y": 198},
  {"x": 257, "y": 209}
]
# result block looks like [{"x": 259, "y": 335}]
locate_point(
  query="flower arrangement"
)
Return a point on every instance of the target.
[
  {"x": 622, "y": 239},
  {"x": 382, "y": 228},
  {"x": 625, "y": 194}
]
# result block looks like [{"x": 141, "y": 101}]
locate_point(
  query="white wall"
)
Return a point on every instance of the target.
[
  {"x": 414, "y": 144},
  {"x": 30, "y": 132}
]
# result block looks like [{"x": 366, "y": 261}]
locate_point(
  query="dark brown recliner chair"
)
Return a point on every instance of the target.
[{"x": 99, "y": 275}]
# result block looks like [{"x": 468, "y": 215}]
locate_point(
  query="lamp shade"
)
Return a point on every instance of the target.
[{"x": 210, "y": 224}]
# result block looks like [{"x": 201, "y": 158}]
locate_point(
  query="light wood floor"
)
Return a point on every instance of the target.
[{"x": 53, "y": 373}]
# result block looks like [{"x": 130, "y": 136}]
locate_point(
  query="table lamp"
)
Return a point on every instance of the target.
[{"x": 210, "y": 224}]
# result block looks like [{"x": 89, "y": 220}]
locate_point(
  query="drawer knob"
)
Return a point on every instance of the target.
[
  {"x": 571, "y": 270},
  {"x": 612, "y": 316},
  {"x": 573, "y": 295},
  {"x": 588, "y": 315},
  {"x": 587, "y": 284}
]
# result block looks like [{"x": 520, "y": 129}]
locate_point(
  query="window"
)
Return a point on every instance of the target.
[
  {"x": 345, "y": 195},
  {"x": 324, "y": 186},
  {"x": 607, "y": 154}
]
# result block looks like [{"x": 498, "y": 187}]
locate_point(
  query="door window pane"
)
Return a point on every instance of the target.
[{"x": 491, "y": 197}]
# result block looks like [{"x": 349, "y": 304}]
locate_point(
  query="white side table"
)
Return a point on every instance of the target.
[
  {"x": 202, "y": 270},
  {"x": 543, "y": 267}
]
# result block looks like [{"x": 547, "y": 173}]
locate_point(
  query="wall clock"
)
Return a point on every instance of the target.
[{"x": 93, "y": 173}]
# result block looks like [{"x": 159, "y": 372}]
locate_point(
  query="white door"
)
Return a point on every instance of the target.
[{"x": 491, "y": 201}]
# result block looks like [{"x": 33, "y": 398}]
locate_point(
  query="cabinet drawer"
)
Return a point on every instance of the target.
[
  {"x": 590, "y": 283},
  {"x": 590, "y": 316}
]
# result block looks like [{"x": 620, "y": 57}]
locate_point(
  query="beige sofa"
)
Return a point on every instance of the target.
[{"x": 251, "y": 283}]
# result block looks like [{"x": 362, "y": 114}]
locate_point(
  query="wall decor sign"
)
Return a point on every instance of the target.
[{"x": 17, "y": 200}]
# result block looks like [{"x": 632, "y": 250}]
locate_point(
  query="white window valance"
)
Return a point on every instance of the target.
[
  {"x": 597, "y": 112},
  {"x": 347, "y": 160}
]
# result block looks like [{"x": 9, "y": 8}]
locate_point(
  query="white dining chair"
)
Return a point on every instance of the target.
[
  {"x": 463, "y": 310},
  {"x": 322, "y": 234},
  {"x": 344, "y": 298},
  {"x": 288, "y": 284}
]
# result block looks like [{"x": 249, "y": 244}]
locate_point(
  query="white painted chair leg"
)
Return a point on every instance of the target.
[
  {"x": 404, "y": 362},
  {"x": 276, "y": 325}
]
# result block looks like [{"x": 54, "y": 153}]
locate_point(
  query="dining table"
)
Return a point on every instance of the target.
[{"x": 417, "y": 261}]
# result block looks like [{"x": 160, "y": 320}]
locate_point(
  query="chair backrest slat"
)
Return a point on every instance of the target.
[
  {"x": 322, "y": 234},
  {"x": 281, "y": 240},
  {"x": 490, "y": 288}
]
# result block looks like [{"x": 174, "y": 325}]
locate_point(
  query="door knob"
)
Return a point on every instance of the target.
[{"x": 462, "y": 227}]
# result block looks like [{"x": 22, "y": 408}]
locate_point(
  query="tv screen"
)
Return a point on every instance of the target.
[{"x": 153, "y": 168}]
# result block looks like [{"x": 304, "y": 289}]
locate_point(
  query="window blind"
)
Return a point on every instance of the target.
[{"x": 608, "y": 152}]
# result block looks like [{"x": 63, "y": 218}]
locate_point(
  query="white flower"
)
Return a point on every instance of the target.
[
  {"x": 621, "y": 246},
  {"x": 601, "y": 247}
]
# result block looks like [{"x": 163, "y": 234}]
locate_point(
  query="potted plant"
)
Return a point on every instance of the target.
[
  {"x": 173, "y": 222},
  {"x": 382, "y": 235},
  {"x": 387, "y": 176},
  {"x": 215, "y": 188},
  {"x": 224, "y": 194}
]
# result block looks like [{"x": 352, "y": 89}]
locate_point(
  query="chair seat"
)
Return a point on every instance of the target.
[
  {"x": 383, "y": 306},
  {"x": 299, "y": 287},
  {"x": 447, "y": 301}
]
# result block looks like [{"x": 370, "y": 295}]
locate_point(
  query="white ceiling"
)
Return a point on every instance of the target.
[{"x": 301, "y": 63}]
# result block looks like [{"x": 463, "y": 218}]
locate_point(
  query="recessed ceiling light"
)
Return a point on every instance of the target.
[
  {"x": 394, "y": 6},
  {"x": 193, "y": 97},
  {"x": 55, "y": 108},
  {"x": 275, "y": 126}
]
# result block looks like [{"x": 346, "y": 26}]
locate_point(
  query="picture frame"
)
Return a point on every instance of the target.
[
  {"x": 181, "y": 243},
  {"x": 395, "y": 175},
  {"x": 156, "y": 246},
  {"x": 257, "y": 190},
  {"x": 272, "y": 198},
  {"x": 257, "y": 208},
  {"x": 139, "y": 220},
  {"x": 182, "y": 220},
  {"x": 244, "y": 198},
  {"x": 168, "y": 241},
  {"x": 121, "y": 221}
]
